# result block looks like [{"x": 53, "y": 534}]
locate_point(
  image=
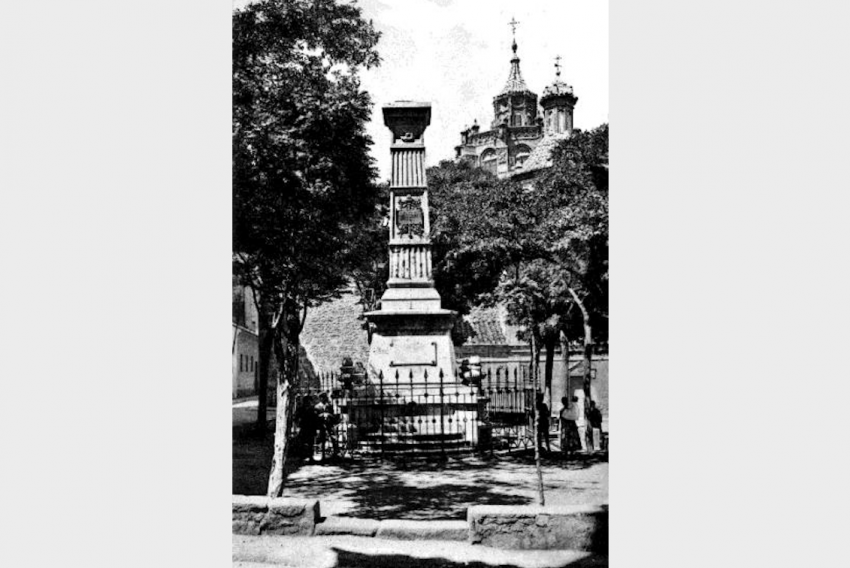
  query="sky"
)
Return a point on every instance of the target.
[{"x": 456, "y": 55}]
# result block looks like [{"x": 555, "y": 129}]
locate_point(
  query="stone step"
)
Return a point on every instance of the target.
[
  {"x": 427, "y": 437},
  {"x": 415, "y": 449},
  {"x": 398, "y": 529}
]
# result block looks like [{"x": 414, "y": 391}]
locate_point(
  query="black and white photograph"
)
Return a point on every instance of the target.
[
  {"x": 420, "y": 283},
  {"x": 467, "y": 316}
]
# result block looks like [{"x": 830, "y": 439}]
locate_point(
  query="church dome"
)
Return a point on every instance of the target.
[
  {"x": 558, "y": 88},
  {"x": 515, "y": 84}
]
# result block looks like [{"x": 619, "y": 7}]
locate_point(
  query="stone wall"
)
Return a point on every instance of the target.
[
  {"x": 257, "y": 514},
  {"x": 582, "y": 527}
]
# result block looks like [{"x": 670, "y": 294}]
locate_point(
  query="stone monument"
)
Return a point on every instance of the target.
[{"x": 412, "y": 332}]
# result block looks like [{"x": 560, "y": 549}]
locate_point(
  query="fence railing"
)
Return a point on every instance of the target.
[{"x": 415, "y": 414}]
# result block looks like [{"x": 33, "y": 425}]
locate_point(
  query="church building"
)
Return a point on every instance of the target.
[{"x": 522, "y": 133}]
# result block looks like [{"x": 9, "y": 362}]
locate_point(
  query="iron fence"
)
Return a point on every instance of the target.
[{"x": 414, "y": 415}]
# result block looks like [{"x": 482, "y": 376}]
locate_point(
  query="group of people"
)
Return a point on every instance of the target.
[
  {"x": 316, "y": 419},
  {"x": 580, "y": 424}
]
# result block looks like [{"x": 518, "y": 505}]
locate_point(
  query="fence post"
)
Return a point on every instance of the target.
[
  {"x": 442, "y": 420},
  {"x": 381, "y": 404},
  {"x": 410, "y": 405}
]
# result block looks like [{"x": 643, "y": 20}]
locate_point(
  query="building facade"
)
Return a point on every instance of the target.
[
  {"x": 245, "y": 349},
  {"x": 520, "y": 125}
]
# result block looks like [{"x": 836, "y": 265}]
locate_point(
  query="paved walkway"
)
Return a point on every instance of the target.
[{"x": 350, "y": 551}]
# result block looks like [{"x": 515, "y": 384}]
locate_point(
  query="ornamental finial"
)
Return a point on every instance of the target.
[
  {"x": 513, "y": 24},
  {"x": 558, "y": 66}
]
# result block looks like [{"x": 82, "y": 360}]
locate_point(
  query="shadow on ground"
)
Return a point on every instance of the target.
[
  {"x": 408, "y": 489},
  {"x": 347, "y": 558},
  {"x": 252, "y": 460},
  {"x": 424, "y": 490}
]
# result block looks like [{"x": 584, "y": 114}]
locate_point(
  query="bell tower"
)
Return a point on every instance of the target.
[
  {"x": 515, "y": 105},
  {"x": 558, "y": 102}
]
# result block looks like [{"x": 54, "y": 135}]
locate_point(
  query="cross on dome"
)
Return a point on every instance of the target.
[{"x": 513, "y": 24}]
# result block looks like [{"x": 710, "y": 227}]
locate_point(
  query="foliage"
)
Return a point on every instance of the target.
[
  {"x": 463, "y": 273},
  {"x": 576, "y": 231},
  {"x": 369, "y": 253},
  {"x": 302, "y": 176},
  {"x": 527, "y": 245}
]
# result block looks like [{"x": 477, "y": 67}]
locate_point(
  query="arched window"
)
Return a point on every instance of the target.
[
  {"x": 521, "y": 154},
  {"x": 488, "y": 160}
]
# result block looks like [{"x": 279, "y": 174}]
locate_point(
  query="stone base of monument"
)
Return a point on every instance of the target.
[{"x": 414, "y": 419}]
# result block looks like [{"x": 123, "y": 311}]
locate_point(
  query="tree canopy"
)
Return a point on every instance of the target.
[
  {"x": 539, "y": 248},
  {"x": 303, "y": 181},
  {"x": 302, "y": 177}
]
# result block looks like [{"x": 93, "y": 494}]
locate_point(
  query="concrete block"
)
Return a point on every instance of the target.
[
  {"x": 347, "y": 525},
  {"x": 291, "y": 516},
  {"x": 423, "y": 530},
  {"x": 256, "y": 515},
  {"x": 248, "y": 513},
  {"x": 583, "y": 527}
]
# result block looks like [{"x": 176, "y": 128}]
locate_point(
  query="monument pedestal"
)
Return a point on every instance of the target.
[
  {"x": 412, "y": 400},
  {"x": 412, "y": 343}
]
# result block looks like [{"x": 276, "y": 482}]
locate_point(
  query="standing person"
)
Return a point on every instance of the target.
[
  {"x": 542, "y": 422},
  {"x": 594, "y": 419},
  {"x": 569, "y": 431},
  {"x": 581, "y": 418},
  {"x": 327, "y": 421},
  {"x": 308, "y": 426}
]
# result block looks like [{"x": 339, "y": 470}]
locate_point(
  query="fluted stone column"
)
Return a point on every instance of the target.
[{"x": 412, "y": 331}]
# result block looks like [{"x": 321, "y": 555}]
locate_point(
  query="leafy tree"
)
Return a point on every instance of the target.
[
  {"x": 486, "y": 233},
  {"x": 576, "y": 231},
  {"x": 302, "y": 177},
  {"x": 541, "y": 251},
  {"x": 370, "y": 256}
]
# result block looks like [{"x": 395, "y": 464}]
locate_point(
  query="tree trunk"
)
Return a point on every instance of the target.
[
  {"x": 551, "y": 342},
  {"x": 288, "y": 349},
  {"x": 565, "y": 355},
  {"x": 266, "y": 339},
  {"x": 280, "y": 438},
  {"x": 535, "y": 351},
  {"x": 588, "y": 345}
]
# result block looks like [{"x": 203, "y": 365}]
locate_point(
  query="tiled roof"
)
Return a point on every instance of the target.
[
  {"x": 541, "y": 156},
  {"x": 515, "y": 83},
  {"x": 487, "y": 326},
  {"x": 333, "y": 331},
  {"x": 557, "y": 88}
]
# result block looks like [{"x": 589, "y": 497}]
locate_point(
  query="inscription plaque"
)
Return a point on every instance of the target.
[{"x": 410, "y": 219}]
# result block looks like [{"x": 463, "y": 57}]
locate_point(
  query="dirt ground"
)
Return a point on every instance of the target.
[{"x": 417, "y": 489}]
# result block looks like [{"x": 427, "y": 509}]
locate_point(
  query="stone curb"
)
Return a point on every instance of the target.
[
  {"x": 347, "y": 525},
  {"x": 582, "y": 527},
  {"x": 423, "y": 530},
  {"x": 257, "y": 514},
  {"x": 579, "y": 527}
]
